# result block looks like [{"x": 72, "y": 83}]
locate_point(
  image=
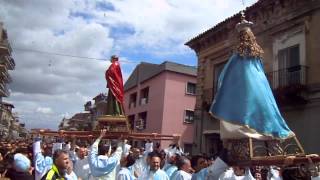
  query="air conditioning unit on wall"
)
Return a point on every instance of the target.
[
  {"x": 143, "y": 101},
  {"x": 140, "y": 124},
  {"x": 132, "y": 105}
]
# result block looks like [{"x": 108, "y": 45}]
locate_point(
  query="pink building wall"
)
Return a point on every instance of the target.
[
  {"x": 167, "y": 102},
  {"x": 176, "y": 101},
  {"x": 154, "y": 107}
]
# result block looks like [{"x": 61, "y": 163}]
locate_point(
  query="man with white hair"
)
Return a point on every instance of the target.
[
  {"x": 184, "y": 169},
  {"x": 141, "y": 164},
  {"x": 170, "y": 166},
  {"x": 125, "y": 162}
]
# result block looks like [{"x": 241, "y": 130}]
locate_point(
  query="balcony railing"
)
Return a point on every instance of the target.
[
  {"x": 7, "y": 61},
  {"x": 296, "y": 75},
  {"x": 4, "y": 92},
  {"x": 4, "y": 75},
  {"x": 5, "y": 47}
]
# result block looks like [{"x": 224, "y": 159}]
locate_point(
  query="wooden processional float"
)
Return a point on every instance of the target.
[
  {"x": 250, "y": 152},
  {"x": 117, "y": 127},
  {"x": 246, "y": 145},
  {"x": 245, "y": 152},
  {"x": 115, "y": 120}
]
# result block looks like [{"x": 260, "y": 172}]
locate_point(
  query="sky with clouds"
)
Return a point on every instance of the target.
[{"x": 47, "y": 87}]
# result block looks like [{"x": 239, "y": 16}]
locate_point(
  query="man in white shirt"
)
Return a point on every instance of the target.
[
  {"x": 184, "y": 169},
  {"x": 237, "y": 173},
  {"x": 125, "y": 163},
  {"x": 198, "y": 163},
  {"x": 170, "y": 168},
  {"x": 154, "y": 172},
  {"x": 215, "y": 170},
  {"x": 142, "y": 163},
  {"x": 101, "y": 166},
  {"x": 81, "y": 164},
  {"x": 42, "y": 161}
]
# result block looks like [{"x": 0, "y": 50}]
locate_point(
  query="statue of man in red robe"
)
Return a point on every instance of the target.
[{"x": 115, "y": 85}]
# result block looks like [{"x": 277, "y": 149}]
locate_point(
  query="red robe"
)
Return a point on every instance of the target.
[{"x": 114, "y": 81}]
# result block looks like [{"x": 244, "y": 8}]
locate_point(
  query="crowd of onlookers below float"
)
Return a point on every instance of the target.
[{"x": 103, "y": 159}]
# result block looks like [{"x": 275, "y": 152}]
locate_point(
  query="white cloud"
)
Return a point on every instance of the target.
[
  {"x": 46, "y": 87},
  {"x": 160, "y": 24},
  {"x": 44, "y": 110}
]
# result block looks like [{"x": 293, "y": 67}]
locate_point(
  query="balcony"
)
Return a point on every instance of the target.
[
  {"x": 289, "y": 84},
  {"x": 7, "y": 61},
  {"x": 4, "y": 75},
  {"x": 5, "y": 48},
  {"x": 4, "y": 92}
]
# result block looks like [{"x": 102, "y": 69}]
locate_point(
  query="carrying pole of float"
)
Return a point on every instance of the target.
[
  {"x": 256, "y": 161},
  {"x": 109, "y": 135}
]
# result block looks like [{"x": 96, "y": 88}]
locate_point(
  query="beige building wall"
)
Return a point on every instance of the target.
[
  {"x": 278, "y": 25},
  {"x": 313, "y": 47},
  {"x": 304, "y": 120}
]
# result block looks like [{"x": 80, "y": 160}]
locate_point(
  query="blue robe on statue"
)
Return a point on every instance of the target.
[{"x": 244, "y": 98}]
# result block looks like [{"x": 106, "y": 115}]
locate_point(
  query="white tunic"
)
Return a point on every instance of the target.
[
  {"x": 125, "y": 174},
  {"x": 229, "y": 175},
  {"x": 315, "y": 178},
  {"x": 103, "y": 167},
  {"x": 182, "y": 175},
  {"x": 151, "y": 175},
  {"x": 274, "y": 174},
  {"x": 42, "y": 163},
  {"x": 216, "y": 169},
  {"x": 82, "y": 169}
]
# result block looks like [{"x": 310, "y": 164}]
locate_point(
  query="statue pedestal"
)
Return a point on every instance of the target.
[
  {"x": 113, "y": 123},
  {"x": 248, "y": 151}
]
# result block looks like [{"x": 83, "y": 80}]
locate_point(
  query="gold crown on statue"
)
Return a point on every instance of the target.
[{"x": 243, "y": 24}]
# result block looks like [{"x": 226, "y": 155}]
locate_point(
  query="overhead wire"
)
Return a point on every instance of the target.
[{"x": 66, "y": 55}]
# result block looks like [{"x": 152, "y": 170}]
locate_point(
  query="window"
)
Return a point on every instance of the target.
[
  {"x": 289, "y": 66},
  {"x": 131, "y": 121},
  {"x": 217, "y": 71},
  {"x": 289, "y": 57},
  {"x": 144, "y": 96},
  {"x": 141, "y": 123},
  {"x": 189, "y": 116},
  {"x": 132, "y": 100},
  {"x": 191, "y": 88}
]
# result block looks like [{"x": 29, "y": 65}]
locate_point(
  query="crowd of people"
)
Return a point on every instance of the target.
[{"x": 42, "y": 160}]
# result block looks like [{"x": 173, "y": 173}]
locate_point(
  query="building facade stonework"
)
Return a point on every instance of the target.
[
  {"x": 8, "y": 124},
  {"x": 288, "y": 32}
]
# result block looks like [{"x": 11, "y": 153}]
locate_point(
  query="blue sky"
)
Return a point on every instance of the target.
[{"x": 46, "y": 87}]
